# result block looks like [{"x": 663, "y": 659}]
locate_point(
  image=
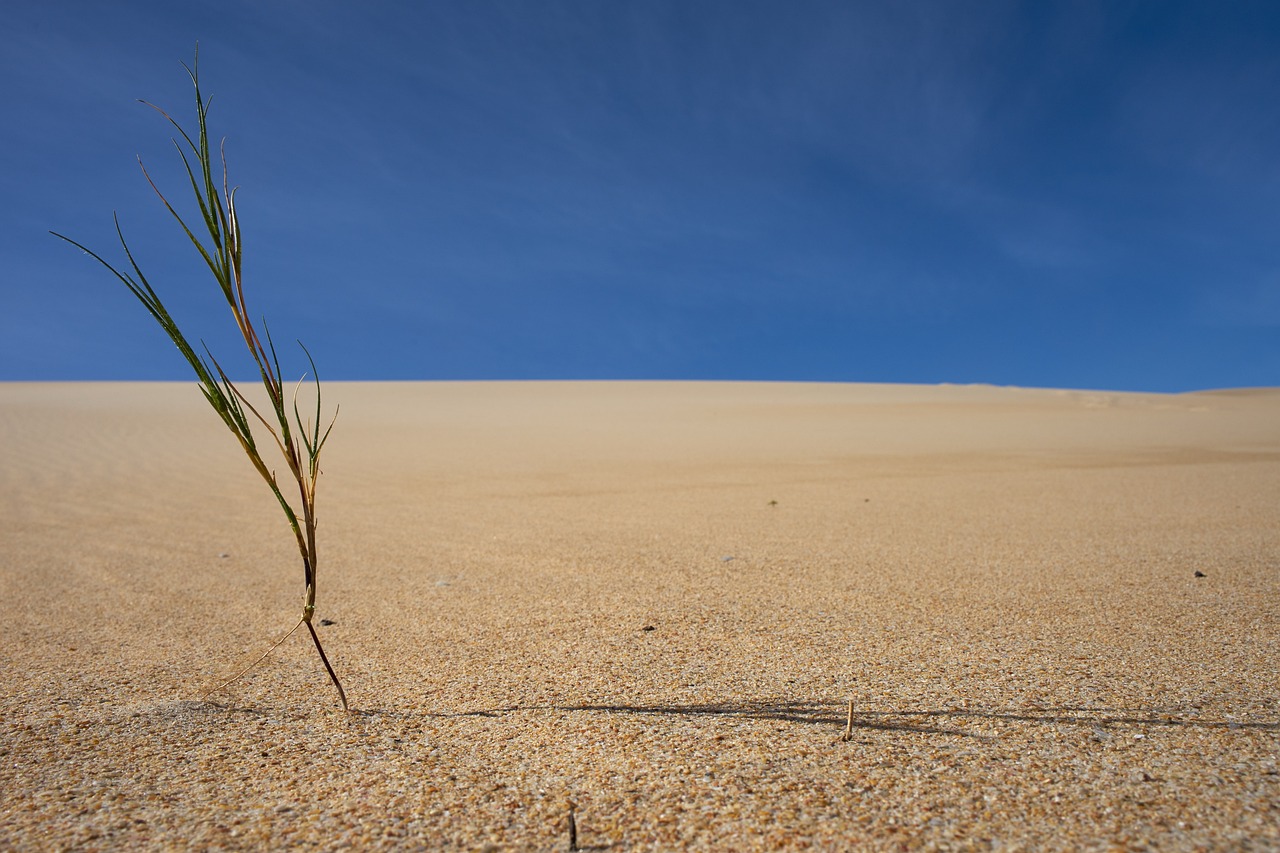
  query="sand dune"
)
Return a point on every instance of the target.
[{"x": 654, "y": 600}]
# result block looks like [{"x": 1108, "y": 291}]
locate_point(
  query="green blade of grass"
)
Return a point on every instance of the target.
[{"x": 222, "y": 254}]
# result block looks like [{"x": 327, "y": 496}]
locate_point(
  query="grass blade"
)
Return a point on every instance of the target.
[{"x": 222, "y": 255}]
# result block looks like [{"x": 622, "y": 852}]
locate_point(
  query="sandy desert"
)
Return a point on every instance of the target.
[{"x": 1056, "y": 615}]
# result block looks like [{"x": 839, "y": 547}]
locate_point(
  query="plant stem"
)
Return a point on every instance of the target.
[
  {"x": 222, "y": 255},
  {"x": 325, "y": 660}
]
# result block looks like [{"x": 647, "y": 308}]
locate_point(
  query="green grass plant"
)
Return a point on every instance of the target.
[{"x": 299, "y": 441}]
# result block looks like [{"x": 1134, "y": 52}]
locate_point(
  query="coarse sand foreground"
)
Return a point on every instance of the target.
[{"x": 1057, "y": 615}]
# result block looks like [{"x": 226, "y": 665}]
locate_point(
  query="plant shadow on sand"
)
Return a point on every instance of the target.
[
  {"x": 942, "y": 721},
  {"x": 909, "y": 721}
]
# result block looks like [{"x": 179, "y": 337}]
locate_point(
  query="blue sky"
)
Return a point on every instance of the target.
[{"x": 1077, "y": 194}]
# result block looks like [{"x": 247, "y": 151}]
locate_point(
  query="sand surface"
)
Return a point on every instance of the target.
[{"x": 655, "y": 601}]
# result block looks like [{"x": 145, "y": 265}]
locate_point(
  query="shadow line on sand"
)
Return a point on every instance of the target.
[{"x": 834, "y": 714}]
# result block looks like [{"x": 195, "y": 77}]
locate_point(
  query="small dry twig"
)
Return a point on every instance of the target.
[{"x": 848, "y": 726}]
